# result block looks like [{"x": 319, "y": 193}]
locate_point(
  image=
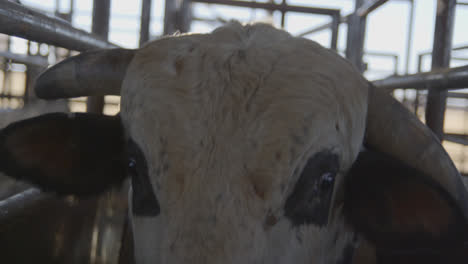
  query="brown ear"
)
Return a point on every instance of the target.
[
  {"x": 65, "y": 153},
  {"x": 403, "y": 212}
]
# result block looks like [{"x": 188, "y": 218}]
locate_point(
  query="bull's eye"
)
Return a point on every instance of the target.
[
  {"x": 131, "y": 164},
  {"x": 144, "y": 202},
  {"x": 327, "y": 180},
  {"x": 309, "y": 202}
]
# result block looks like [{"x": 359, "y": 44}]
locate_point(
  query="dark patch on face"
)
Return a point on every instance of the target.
[
  {"x": 144, "y": 202},
  {"x": 309, "y": 203}
]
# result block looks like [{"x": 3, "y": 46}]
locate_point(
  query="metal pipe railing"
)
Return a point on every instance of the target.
[
  {"x": 323, "y": 26},
  {"x": 369, "y": 6},
  {"x": 25, "y": 59},
  {"x": 272, "y": 7},
  {"x": 444, "y": 79},
  {"x": 18, "y": 202},
  {"x": 20, "y": 21},
  {"x": 457, "y": 138}
]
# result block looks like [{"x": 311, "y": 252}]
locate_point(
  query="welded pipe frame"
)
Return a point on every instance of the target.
[
  {"x": 444, "y": 79},
  {"x": 283, "y": 8},
  {"x": 20, "y": 21}
]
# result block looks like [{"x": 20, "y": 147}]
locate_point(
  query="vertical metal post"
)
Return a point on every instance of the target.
[
  {"x": 177, "y": 16},
  {"x": 100, "y": 26},
  {"x": 335, "y": 26},
  {"x": 145, "y": 21},
  {"x": 441, "y": 51},
  {"x": 170, "y": 14},
  {"x": 409, "y": 37},
  {"x": 283, "y": 14},
  {"x": 409, "y": 42},
  {"x": 184, "y": 15},
  {"x": 356, "y": 36}
]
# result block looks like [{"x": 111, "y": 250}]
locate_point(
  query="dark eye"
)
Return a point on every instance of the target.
[
  {"x": 327, "y": 180},
  {"x": 309, "y": 202},
  {"x": 144, "y": 202},
  {"x": 131, "y": 163}
]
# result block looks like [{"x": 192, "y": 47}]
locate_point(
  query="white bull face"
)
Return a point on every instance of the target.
[
  {"x": 227, "y": 123},
  {"x": 239, "y": 144}
]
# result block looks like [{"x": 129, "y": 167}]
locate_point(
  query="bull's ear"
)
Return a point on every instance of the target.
[
  {"x": 65, "y": 153},
  {"x": 405, "y": 214}
]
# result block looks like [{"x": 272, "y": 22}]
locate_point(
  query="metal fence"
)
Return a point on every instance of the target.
[{"x": 52, "y": 229}]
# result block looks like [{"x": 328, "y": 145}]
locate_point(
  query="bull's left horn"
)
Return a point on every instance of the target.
[
  {"x": 392, "y": 129},
  {"x": 91, "y": 73}
]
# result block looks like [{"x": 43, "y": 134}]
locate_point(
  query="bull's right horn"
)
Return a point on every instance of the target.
[{"x": 91, "y": 73}]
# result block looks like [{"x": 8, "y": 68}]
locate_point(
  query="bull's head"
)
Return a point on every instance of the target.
[{"x": 242, "y": 146}]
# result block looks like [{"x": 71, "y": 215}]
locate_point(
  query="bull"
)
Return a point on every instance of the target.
[{"x": 244, "y": 146}]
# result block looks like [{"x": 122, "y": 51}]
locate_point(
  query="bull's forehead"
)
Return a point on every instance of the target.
[{"x": 243, "y": 103}]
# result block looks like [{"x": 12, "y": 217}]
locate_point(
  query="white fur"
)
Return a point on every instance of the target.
[{"x": 219, "y": 109}]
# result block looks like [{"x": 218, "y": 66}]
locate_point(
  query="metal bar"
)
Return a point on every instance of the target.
[
  {"x": 458, "y": 95},
  {"x": 409, "y": 41},
  {"x": 355, "y": 38},
  {"x": 323, "y": 27},
  {"x": 170, "y": 14},
  {"x": 272, "y": 7},
  {"x": 369, "y": 6},
  {"x": 457, "y": 138},
  {"x": 439, "y": 80},
  {"x": 283, "y": 14},
  {"x": 462, "y": 3},
  {"x": 453, "y": 49},
  {"x": 101, "y": 16},
  {"x": 100, "y": 27},
  {"x": 395, "y": 58},
  {"x": 461, "y": 47},
  {"x": 25, "y": 59},
  {"x": 17, "y": 20},
  {"x": 436, "y": 97},
  {"x": 145, "y": 21},
  {"x": 316, "y": 29},
  {"x": 184, "y": 16},
  {"x": 381, "y": 54},
  {"x": 334, "y": 31},
  {"x": 16, "y": 203}
]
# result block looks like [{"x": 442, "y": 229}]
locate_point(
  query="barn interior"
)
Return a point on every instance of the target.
[{"x": 415, "y": 49}]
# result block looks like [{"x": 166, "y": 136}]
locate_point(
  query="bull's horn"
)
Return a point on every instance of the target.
[
  {"x": 392, "y": 129},
  {"x": 91, "y": 73}
]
